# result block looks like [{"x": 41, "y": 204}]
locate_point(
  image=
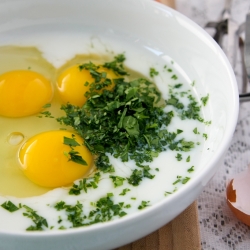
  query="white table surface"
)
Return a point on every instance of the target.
[{"x": 219, "y": 227}]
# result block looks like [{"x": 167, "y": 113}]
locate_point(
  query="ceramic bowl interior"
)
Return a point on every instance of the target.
[{"x": 145, "y": 27}]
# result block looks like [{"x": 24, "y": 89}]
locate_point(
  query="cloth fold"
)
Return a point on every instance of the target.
[{"x": 181, "y": 233}]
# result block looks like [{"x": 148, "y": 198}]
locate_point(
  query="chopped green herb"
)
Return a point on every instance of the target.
[
  {"x": 192, "y": 111},
  {"x": 117, "y": 65},
  {"x": 59, "y": 220},
  {"x": 153, "y": 72},
  {"x": 117, "y": 180},
  {"x": 179, "y": 131},
  {"x": 8, "y": 205},
  {"x": 85, "y": 184},
  {"x": 45, "y": 114},
  {"x": 143, "y": 205},
  {"x": 177, "y": 86},
  {"x": 70, "y": 141},
  {"x": 205, "y": 136},
  {"x": 60, "y": 205},
  {"x": 167, "y": 193},
  {"x": 38, "y": 220},
  {"x": 48, "y": 105},
  {"x": 177, "y": 181},
  {"x": 127, "y": 123},
  {"x": 72, "y": 154},
  {"x": 181, "y": 180},
  {"x": 190, "y": 170},
  {"x": 124, "y": 191},
  {"x": 208, "y": 122},
  {"x": 174, "y": 77},
  {"x": 174, "y": 101},
  {"x": 136, "y": 177},
  {"x": 196, "y": 131},
  {"x": 185, "y": 180},
  {"x": 178, "y": 157},
  {"x": 205, "y": 100},
  {"x": 76, "y": 157}
]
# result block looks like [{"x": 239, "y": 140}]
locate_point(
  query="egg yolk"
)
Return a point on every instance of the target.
[
  {"x": 23, "y": 93},
  {"x": 45, "y": 159},
  {"x": 74, "y": 82}
]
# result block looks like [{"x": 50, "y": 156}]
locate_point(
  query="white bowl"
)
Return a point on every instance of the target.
[{"x": 146, "y": 25}]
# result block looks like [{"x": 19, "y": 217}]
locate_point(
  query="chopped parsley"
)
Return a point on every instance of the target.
[
  {"x": 72, "y": 154},
  {"x": 126, "y": 122},
  {"x": 174, "y": 101},
  {"x": 182, "y": 180},
  {"x": 190, "y": 170},
  {"x": 117, "y": 180},
  {"x": 38, "y": 220},
  {"x": 117, "y": 65},
  {"x": 11, "y": 207},
  {"x": 124, "y": 191},
  {"x": 153, "y": 72},
  {"x": 196, "y": 131},
  {"x": 178, "y": 157},
  {"x": 47, "y": 105},
  {"x": 205, "y": 100},
  {"x": 85, "y": 184},
  {"x": 205, "y": 136},
  {"x": 70, "y": 141},
  {"x": 174, "y": 77},
  {"x": 45, "y": 114},
  {"x": 104, "y": 210},
  {"x": 166, "y": 193},
  {"x": 185, "y": 180},
  {"x": 177, "y": 86},
  {"x": 143, "y": 205}
]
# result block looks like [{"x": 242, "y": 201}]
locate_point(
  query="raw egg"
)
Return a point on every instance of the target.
[
  {"x": 23, "y": 93},
  {"x": 26, "y": 85},
  {"x": 238, "y": 191},
  {"x": 74, "y": 82},
  {"x": 45, "y": 159}
]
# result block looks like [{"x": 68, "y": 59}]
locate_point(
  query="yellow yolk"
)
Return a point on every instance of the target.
[
  {"x": 23, "y": 93},
  {"x": 45, "y": 161},
  {"x": 73, "y": 83}
]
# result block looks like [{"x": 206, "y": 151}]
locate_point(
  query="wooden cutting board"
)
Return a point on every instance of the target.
[{"x": 183, "y": 233}]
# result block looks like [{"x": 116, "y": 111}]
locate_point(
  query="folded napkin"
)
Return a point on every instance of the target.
[{"x": 183, "y": 233}]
